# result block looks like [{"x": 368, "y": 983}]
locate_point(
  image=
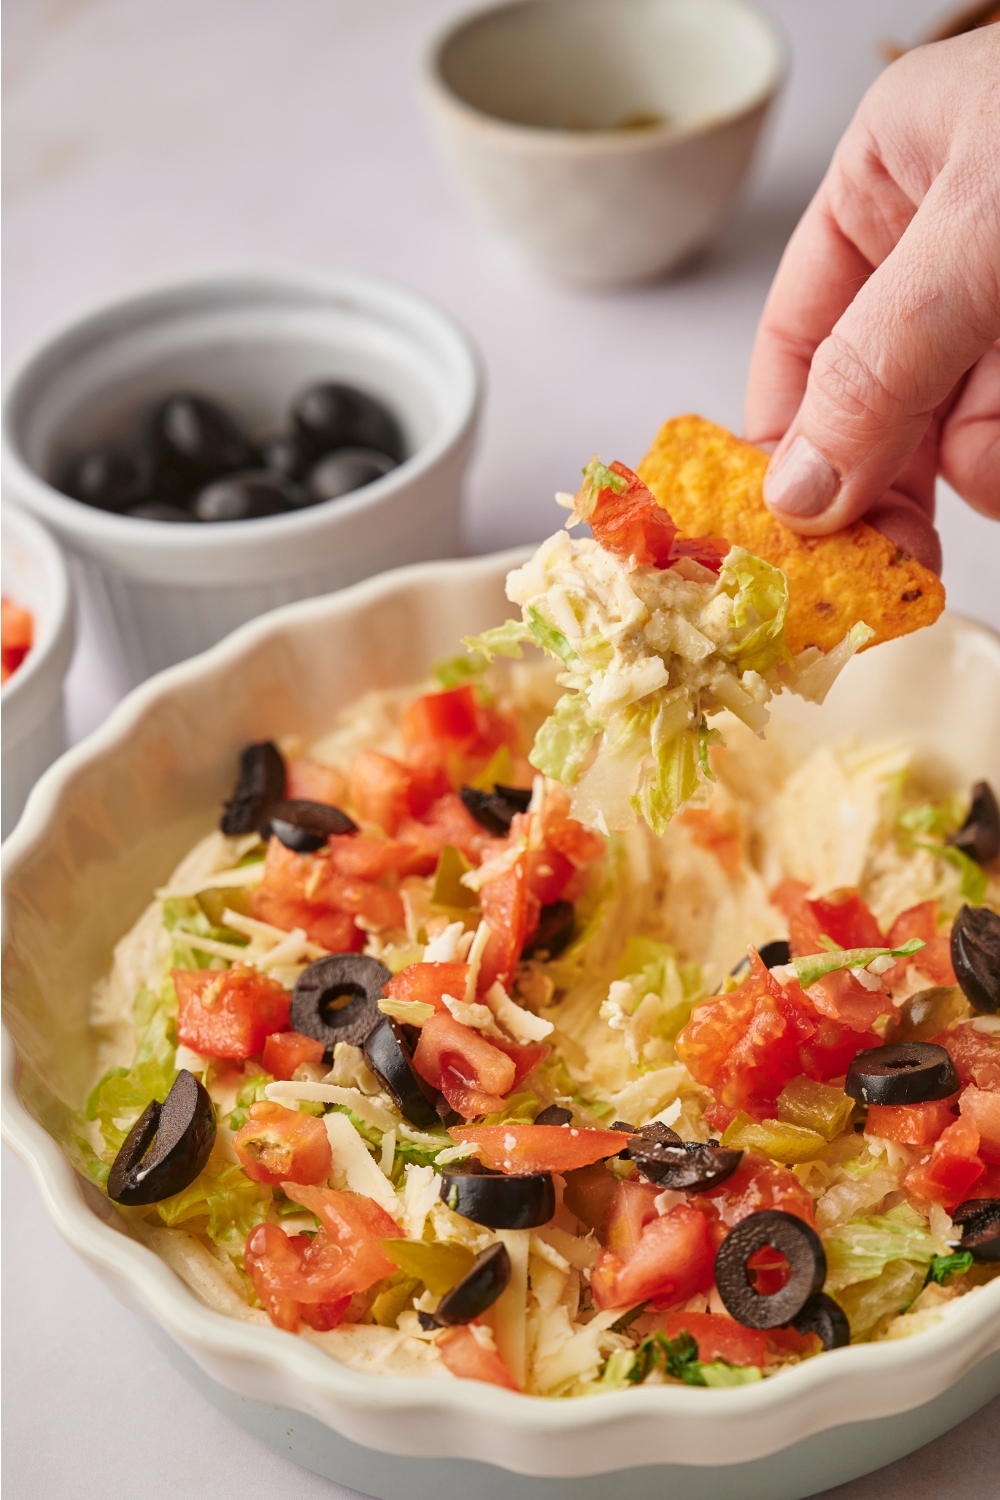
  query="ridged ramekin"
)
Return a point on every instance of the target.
[
  {"x": 159, "y": 592},
  {"x": 31, "y": 702},
  {"x": 106, "y": 825}
]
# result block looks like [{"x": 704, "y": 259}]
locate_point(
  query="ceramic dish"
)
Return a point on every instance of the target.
[
  {"x": 610, "y": 138},
  {"x": 107, "y": 824},
  {"x": 158, "y": 593},
  {"x": 34, "y": 724}
]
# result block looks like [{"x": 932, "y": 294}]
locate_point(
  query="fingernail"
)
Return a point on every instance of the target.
[{"x": 802, "y": 482}]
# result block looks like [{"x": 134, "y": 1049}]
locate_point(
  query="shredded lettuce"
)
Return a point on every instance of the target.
[
  {"x": 459, "y": 669},
  {"x": 943, "y": 1267},
  {"x": 122, "y": 1094},
  {"x": 861, "y": 1249},
  {"x": 974, "y": 880},
  {"x": 223, "y": 1203},
  {"x": 549, "y": 638},
  {"x": 502, "y": 640},
  {"x": 759, "y": 592},
  {"x": 565, "y": 739},
  {"x": 673, "y": 779},
  {"x": 651, "y": 968},
  {"x": 815, "y": 965},
  {"x": 677, "y": 1358},
  {"x": 183, "y": 914}
]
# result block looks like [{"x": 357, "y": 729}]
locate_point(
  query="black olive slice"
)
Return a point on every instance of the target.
[
  {"x": 975, "y": 957},
  {"x": 979, "y": 835},
  {"x": 686, "y": 1167},
  {"x": 476, "y": 1291},
  {"x": 554, "y": 1115},
  {"x": 261, "y": 783},
  {"x": 824, "y": 1316},
  {"x": 772, "y": 956},
  {"x": 167, "y": 1146},
  {"x": 495, "y": 810},
  {"x": 901, "y": 1073},
  {"x": 306, "y": 826},
  {"x": 336, "y": 999},
  {"x": 554, "y": 930},
  {"x": 624, "y": 1127},
  {"x": 803, "y": 1250},
  {"x": 979, "y": 1220},
  {"x": 389, "y": 1056},
  {"x": 500, "y": 1202}
]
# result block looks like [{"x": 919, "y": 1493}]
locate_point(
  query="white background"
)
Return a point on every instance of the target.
[{"x": 149, "y": 139}]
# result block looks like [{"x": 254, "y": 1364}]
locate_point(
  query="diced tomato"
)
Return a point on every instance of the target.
[
  {"x": 588, "y": 1195},
  {"x": 710, "y": 551},
  {"x": 933, "y": 960},
  {"x": 336, "y": 931},
  {"x": 792, "y": 1342},
  {"x": 345, "y": 1257},
  {"x": 366, "y": 859},
  {"x": 565, "y": 835},
  {"x": 747, "y": 1043},
  {"x": 632, "y": 1207},
  {"x": 987, "y": 1186},
  {"x": 281, "y": 1145},
  {"x": 274, "y": 1260},
  {"x": 504, "y": 903},
  {"x": 472, "y": 1074},
  {"x": 673, "y": 1259},
  {"x": 284, "y": 1051},
  {"x": 306, "y": 885},
  {"x": 976, "y": 1055},
  {"x": 464, "y": 1355},
  {"x": 380, "y": 789},
  {"x": 910, "y": 1124},
  {"x": 720, "y": 835},
  {"x": 952, "y": 1168},
  {"x": 429, "y": 983},
  {"x": 843, "y": 916},
  {"x": 805, "y": 935},
  {"x": 446, "y": 821},
  {"x": 548, "y": 874},
  {"x": 719, "y": 1337},
  {"x": 526, "y": 1056},
  {"x": 982, "y": 1107},
  {"x": 915, "y": 922},
  {"x": 628, "y": 522},
  {"x": 228, "y": 1012},
  {"x": 521, "y": 1149},
  {"x": 831, "y": 1051},
  {"x": 447, "y": 718},
  {"x": 758, "y": 1184},
  {"x": 326, "y": 1315},
  {"x": 842, "y": 997},
  {"x": 17, "y": 631},
  {"x": 312, "y": 781}
]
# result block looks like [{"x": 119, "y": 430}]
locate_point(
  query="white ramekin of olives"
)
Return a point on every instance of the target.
[{"x": 214, "y": 448}]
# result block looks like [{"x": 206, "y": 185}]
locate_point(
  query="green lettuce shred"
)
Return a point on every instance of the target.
[
  {"x": 564, "y": 740},
  {"x": 502, "y": 640},
  {"x": 677, "y": 1358},
  {"x": 673, "y": 779},
  {"x": 549, "y": 638},
  {"x": 122, "y": 1094},
  {"x": 861, "y": 1249},
  {"x": 943, "y": 1267},
  {"x": 759, "y": 592},
  {"x": 223, "y": 1203},
  {"x": 974, "y": 881},
  {"x": 815, "y": 965}
]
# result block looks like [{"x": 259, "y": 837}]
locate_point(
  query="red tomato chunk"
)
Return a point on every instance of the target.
[
  {"x": 521, "y": 1149},
  {"x": 228, "y": 1013},
  {"x": 719, "y": 1337},
  {"x": 910, "y": 1124},
  {"x": 464, "y": 1355},
  {"x": 982, "y": 1108},
  {"x": 472, "y": 1074},
  {"x": 952, "y": 1168},
  {"x": 285, "y": 1051},
  {"x": 281, "y": 1145},
  {"x": 429, "y": 983},
  {"x": 672, "y": 1260}
]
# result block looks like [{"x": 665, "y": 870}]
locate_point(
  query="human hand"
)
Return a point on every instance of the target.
[{"x": 877, "y": 360}]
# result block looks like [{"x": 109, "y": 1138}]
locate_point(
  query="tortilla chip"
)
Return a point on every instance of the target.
[{"x": 712, "y": 484}]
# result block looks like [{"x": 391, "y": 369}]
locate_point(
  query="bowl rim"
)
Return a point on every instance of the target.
[
  {"x": 53, "y": 650},
  {"x": 175, "y": 1307},
  {"x": 416, "y": 314},
  {"x": 576, "y": 143}
]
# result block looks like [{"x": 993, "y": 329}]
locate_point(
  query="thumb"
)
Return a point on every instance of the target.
[{"x": 919, "y": 322}]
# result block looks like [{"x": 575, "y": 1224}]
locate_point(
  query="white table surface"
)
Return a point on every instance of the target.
[{"x": 151, "y": 140}]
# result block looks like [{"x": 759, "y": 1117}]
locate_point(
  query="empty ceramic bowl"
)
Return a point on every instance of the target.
[{"x": 609, "y": 138}]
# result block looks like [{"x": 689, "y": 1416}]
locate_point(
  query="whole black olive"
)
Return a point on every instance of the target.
[
  {"x": 287, "y": 454},
  {"x": 500, "y": 1202},
  {"x": 167, "y": 1146},
  {"x": 555, "y": 929},
  {"x": 336, "y": 999},
  {"x": 344, "y": 470},
  {"x": 979, "y": 835},
  {"x": 975, "y": 957},
  {"x": 772, "y": 956},
  {"x": 979, "y": 1221},
  {"x": 261, "y": 783},
  {"x": 554, "y": 1115},
  {"x": 824, "y": 1316},
  {"x": 477, "y": 1290},
  {"x": 193, "y": 440},
  {"x": 331, "y": 415},
  {"x": 495, "y": 810},
  {"x": 246, "y": 496},
  {"x": 160, "y": 510},
  {"x": 390, "y": 1058},
  {"x": 901, "y": 1073},
  {"x": 687, "y": 1167},
  {"x": 106, "y": 477},
  {"x": 306, "y": 826},
  {"x": 802, "y": 1248}
]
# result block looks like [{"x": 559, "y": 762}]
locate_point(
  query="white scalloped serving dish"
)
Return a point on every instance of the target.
[{"x": 106, "y": 824}]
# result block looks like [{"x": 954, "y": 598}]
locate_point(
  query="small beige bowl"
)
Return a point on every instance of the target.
[{"x": 609, "y": 137}]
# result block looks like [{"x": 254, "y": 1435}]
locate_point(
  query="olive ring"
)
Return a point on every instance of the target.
[{"x": 797, "y": 1241}]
